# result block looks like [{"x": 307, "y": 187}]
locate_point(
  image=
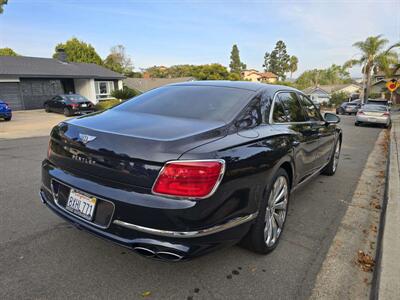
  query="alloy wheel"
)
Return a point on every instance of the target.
[{"x": 275, "y": 214}]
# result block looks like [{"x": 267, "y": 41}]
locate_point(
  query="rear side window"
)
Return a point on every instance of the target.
[
  {"x": 191, "y": 101},
  {"x": 291, "y": 105},
  {"x": 310, "y": 109},
  {"x": 279, "y": 115}
]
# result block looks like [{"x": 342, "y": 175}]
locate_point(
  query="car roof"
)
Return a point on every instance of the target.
[{"x": 246, "y": 85}]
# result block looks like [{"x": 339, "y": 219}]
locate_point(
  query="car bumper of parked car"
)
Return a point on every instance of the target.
[
  {"x": 372, "y": 120},
  {"x": 171, "y": 244},
  {"x": 5, "y": 114}
]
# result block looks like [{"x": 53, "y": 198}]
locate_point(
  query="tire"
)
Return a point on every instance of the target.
[
  {"x": 7, "y": 119},
  {"x": 67, "y": 112},
  {"x": 259, "y": 235},
  {"x": 331, "y": 168},
  {"x": 47, "y": 108},
  {"x": 357, "y": 123}
]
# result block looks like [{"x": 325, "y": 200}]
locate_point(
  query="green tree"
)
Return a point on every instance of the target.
[
  {"x": 335, "y": 74},
  {"x": 373, "y": 57},
  {"x": 79, "y": 51},
  {"x": 236, "y": 65},
  {"x": 7, "y": 52},
  {"x": 277, "y": 61},
  {"x": 118, "y": 60},
  {"x": 293, "y": 61},
  {"x": 2, "y": 3},
  {"x": 338, "y": 98}
]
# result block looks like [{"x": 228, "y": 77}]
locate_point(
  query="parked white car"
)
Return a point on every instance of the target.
[{"x": 373, "y": 114}]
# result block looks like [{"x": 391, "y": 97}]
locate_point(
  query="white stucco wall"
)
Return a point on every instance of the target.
[{"x": 86, "y": 88}]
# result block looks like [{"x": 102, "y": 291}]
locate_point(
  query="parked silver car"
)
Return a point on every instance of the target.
[{"x": 373, "y": 114}]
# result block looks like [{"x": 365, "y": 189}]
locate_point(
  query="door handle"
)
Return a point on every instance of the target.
[{"x": 295, "y": 143}]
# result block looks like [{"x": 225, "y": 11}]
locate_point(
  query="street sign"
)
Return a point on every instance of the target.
[{"x": 392, "y": 85}]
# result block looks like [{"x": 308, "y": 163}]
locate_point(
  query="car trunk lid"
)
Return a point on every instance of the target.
[{"x": 128, "y": 147}]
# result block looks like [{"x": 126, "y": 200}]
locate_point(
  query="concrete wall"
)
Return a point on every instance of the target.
[{"x": 86, "y": 88}]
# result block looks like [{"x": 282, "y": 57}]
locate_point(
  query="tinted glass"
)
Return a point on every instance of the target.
[
  {"x": 371, "y": 107},
  {"x": 352, "y": 104},
  {"x": 311, "y": 111},
  {"x": 279, "y": 115},
  {"x": 76, "y": 98},
  {"x": 292, "y": 107},
  {"x": 194, "y": 102}
]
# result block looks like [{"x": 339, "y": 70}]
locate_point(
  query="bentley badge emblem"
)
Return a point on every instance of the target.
[{"x": 85, "y": 138}]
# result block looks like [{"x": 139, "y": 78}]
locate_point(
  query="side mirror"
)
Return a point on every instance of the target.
[{"x": 331, "y": 118}]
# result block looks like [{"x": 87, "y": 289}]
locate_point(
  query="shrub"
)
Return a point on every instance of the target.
[
  {"x": 102, "y": 105},
  {"x": 338, "y": 98},
  {"x": 125, "y": 93}
]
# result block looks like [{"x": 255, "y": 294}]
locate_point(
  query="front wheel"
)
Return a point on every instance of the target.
[
  {"x": 264, "y": 235},
  {"x": 331, "y": 167}
]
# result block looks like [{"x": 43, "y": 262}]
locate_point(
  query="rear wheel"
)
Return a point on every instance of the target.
[
  {"x": 330, "y": 169},
  {"x": 67, "y": 112},
  {"x": 46, "y": 108},
  {"x": 264, "y": 235},
  {"x": 357, "y": 123},
  {"x": 7, "y": 119}
]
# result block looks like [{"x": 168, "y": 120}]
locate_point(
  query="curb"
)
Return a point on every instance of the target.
[{"x": 387, "y": 278}]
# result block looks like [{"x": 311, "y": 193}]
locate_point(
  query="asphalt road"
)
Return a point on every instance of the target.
[{"x": 42, "y": 256}]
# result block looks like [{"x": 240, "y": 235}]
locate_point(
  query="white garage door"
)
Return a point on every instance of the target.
[{"x": 9, "y": 93}]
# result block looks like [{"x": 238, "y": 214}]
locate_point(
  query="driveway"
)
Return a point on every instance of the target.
[
  {"x": 29, "y": 123},
  {"x": 41, "y": 256}
]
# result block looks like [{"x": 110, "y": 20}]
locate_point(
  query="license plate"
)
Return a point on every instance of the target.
[
  {"x": 81, "y": 205},
  {"x": 371, "y": 120},
  {"x": 84, "y": 105}
]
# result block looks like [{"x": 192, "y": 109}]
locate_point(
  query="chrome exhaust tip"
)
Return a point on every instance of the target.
[
  {"x": 165, "y": 255},
  {"x": 145, "y": 252},
  {"x": 160, "y": 255}
]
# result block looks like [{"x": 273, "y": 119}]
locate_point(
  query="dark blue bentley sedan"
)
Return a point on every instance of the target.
[{"x": 5, "y": 111}]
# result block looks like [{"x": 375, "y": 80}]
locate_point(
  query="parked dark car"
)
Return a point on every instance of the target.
[
  {"x": 5, "y": 111},
  {"x": 69, "y": 105},
  {"x": 349, "y": 108},
  {"x": 188, "y": 168}
]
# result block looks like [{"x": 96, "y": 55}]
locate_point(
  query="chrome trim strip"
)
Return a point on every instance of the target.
[
  {"x": 189, "y": 234},
  {"x": 221, "y": 175},
  {"x": 76, "y": 216},
  {"x": 309, "y": 177}
]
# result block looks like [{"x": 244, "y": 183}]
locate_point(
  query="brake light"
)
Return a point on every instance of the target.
[
  {"x": 190, "y": 179},
  {"x": 386, "y": 114},
  {"x": 75, "y": 105},
  {"x": 360, "y": 112}
]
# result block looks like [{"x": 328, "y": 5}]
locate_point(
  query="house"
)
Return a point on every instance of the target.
[
  {"x": 26, "y": 82},
  {"x": 145, "y": 84},
  {"x": 322, "y": 93},
  {"x": 256, "y": 76}
]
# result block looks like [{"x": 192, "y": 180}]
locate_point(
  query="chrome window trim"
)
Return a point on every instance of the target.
[
  {"x": 189, "y": 234},
  {"x": 76, "y": 216},
  {"x": 221, "y": 175}
]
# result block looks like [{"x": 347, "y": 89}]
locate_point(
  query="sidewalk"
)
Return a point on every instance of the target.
[{"x": 389, "y": 277}]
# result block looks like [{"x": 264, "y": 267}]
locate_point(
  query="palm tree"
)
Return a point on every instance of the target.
[
  {"x": 373, "y": 58},
  {"x": 293, "y": 61}
]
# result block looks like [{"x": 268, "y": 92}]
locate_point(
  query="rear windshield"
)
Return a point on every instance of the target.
[
  {"x": 352, "y": 104},
  {"x": 194, "y": 102},
  {"x": 370, "y": 107},
  {"x": 76, "y": 98}
]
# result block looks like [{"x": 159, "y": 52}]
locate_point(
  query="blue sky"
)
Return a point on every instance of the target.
[{"x": 318, "y": 32}]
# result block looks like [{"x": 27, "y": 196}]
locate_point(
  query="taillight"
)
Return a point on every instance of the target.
[
  {"x": 360, "y": 112},
  {"x": 386, "y": 114},
  {"x": 189, "y": 179},
  {"x": 75, "y": 105}
]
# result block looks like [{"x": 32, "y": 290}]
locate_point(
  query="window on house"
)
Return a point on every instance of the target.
[{"x": 104, "y": 89}]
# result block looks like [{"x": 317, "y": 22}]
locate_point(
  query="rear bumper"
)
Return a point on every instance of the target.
[
  {"x": 5, "y": 114},
  {"x": 129, "y": 230},
  {"x": 373, "y": 120}
]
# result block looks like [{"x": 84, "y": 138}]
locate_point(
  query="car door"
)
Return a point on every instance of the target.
[
  {"x": 59, "y": 103},
  {"x": 287, "y": 111},
  {"x": 326, "y": 133}
]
